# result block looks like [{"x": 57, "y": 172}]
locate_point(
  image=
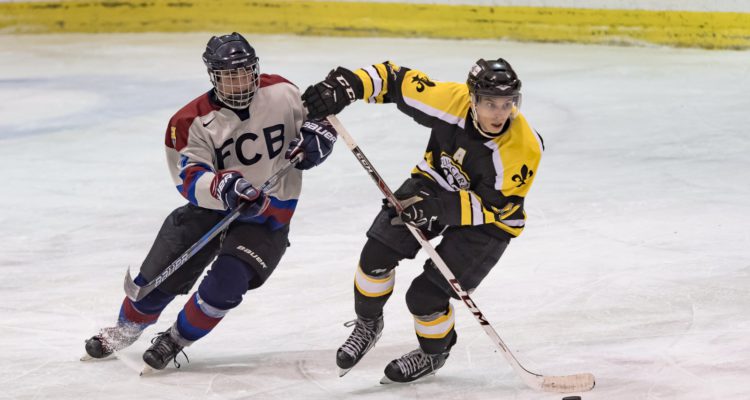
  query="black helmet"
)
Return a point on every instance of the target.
[
  {"x": 233, "y": 69},
  {"x": 493, "y": 78}
]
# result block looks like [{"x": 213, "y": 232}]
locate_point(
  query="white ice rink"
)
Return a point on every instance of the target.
[{"x": 634, "y": 266}]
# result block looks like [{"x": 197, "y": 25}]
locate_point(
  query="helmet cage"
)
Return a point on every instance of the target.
[
  {"x": 236, "y": 87},
  {"x": 233, "y": 69}
]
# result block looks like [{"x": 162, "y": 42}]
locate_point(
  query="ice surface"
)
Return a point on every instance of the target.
[{"x": 634, "y": 265}]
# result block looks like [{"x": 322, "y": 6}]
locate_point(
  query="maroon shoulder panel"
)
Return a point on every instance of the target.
[
  {"x": 270, "y": 79},
  {"x": 177, "y": 132}
]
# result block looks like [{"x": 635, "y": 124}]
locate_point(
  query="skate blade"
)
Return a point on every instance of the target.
[
  {"x": 388, "y": 381},
  {"x": 147, "y": 370},
  {"x": 343, "y": 371}
]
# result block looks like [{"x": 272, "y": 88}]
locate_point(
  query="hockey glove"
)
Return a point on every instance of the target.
[
  {"x": 235, "y": 190},
  {"x": 421, "y": 207},
  {"x": 424, "y": 214},
  {"x": 315, "y": 142},
  {"x": 339, "y": 89}
]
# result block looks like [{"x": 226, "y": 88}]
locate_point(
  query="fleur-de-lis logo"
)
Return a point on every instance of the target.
[
  {"x": 526, "y": 173},
  {"x": 421, "y": 82}
]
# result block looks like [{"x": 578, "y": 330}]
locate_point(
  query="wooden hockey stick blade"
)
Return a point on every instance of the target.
[
  {"x": 563, "y": 384},
  {"x": 551, "y": 383}
]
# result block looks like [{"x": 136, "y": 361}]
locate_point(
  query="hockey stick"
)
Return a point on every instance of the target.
[
  {"x": 559, "y": 384},
  {"x": 135, "y": 292}
]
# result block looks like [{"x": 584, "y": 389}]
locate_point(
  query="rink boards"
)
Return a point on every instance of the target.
[{"x": 702, "y": 27}]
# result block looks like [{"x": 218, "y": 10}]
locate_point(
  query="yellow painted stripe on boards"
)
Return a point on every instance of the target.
[{"x": 712, "y": 30}]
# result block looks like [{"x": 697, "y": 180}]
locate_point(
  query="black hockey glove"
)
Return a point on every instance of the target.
[
  {"x": 315, "y": 141},
  {"x": 339, "y": 89},
  {"x": 421, "y": 207},
  {"x": 235, "y": 190},
  {"x": 424, "y": 214}
]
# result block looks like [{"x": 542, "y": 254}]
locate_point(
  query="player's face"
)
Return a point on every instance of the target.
[
  {"x": 236, "y": 84},
  {"x": 493, "y": 112}
]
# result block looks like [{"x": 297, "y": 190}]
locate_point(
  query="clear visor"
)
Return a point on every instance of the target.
[
  {"x": 236, "y": 87},
  {"x": 497, "y": 105},
  {"x": 491, "y": 113}
]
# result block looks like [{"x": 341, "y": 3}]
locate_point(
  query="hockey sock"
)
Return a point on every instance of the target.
[
  {"x": 435, "y": 332},
  {"x": 374, "y": 279},
  {"x": 220, "y": 291},
  {"x": 146, "y": 311},
  {"x": 372, "y": 292}
]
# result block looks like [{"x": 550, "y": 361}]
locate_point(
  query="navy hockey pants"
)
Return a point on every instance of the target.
[{"x": 246, "y": 255}]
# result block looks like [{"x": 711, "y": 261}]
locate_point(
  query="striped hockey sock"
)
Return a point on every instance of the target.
[{"x": 197, "y": 319}]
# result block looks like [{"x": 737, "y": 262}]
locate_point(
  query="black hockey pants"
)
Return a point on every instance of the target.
[
  {"x": 469, "y": 252},
  {"x": 256, "y": 245}
]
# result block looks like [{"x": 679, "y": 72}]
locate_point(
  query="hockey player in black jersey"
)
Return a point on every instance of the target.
[
  {"x": 220, "y": 148},
  {"x": 480, "y": 161}
]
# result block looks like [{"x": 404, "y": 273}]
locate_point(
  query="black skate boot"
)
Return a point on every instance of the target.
[
  {"x": 366, "y": 333},
  {"x": 109, "y": 340},
  {"x": 164, "y": 348},
  {"x": 412, "y": 366}
]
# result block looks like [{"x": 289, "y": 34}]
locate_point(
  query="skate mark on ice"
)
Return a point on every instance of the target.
[{"x": 303, "y": 370}]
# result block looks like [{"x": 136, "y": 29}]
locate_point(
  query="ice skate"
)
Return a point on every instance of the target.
[
  {"x": 412, "y": 366},
  {"x": 110, "y": 340},
  {"x": 366, "y": 333},
  {"x": 164, "y": 348}
]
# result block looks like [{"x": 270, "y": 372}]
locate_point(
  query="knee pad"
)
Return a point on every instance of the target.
[
  {"x": 426, "y": 298},
  {"x": 377, "y": 259},
  {"x": 226, "y": 282}
]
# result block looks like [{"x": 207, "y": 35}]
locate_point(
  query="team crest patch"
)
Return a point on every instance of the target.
[
  {"x": 453, "y": 173},
  {"x": 421, "y": 82},
  {"x": 173, "y": 136}
]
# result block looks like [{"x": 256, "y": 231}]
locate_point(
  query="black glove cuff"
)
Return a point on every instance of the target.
[{"x": 354, "y": 81}]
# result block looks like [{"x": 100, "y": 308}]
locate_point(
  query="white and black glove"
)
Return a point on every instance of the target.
[
  {"x": 329, "y": 96},
  {"x": 422, "y": 208},
  {"x": 235, "y": 190},
  {"x": 315, "y": 142},
  {"x": 424, "y": 214}
]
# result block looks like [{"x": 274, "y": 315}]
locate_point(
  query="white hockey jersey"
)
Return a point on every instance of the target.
[{"x": 205, "y": 138}]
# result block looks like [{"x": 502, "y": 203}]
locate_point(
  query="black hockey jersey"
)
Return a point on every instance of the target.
[{"x": 485, "y": 180}]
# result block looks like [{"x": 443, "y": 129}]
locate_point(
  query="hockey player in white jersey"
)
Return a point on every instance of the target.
[{"x": 220, "y": 147}]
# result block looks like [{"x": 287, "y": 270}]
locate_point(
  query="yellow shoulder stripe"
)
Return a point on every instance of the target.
[{"x": 448, "y": 101}]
